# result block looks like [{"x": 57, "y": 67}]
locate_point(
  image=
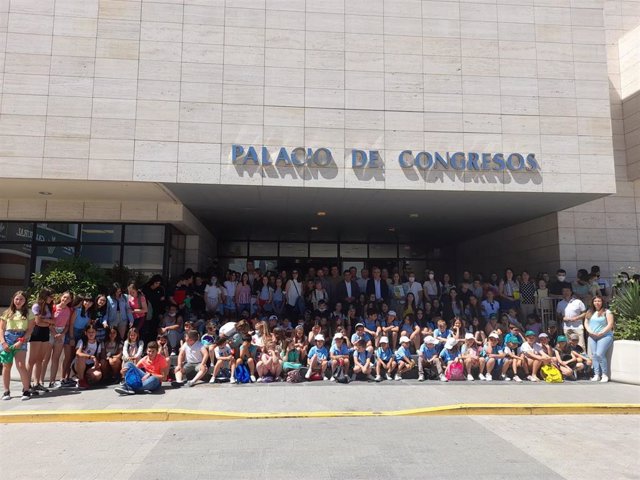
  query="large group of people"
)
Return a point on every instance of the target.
[{"x": 318, "y": 325}]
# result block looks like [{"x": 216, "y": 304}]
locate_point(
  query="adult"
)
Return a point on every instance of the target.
[
  {"x": 364, "y": 278},
  {"x": 571, "y": 312},
  {"x": 378, "y": 287},
  {"x": 118, "y": 314},
  {"x": 509, "y": 291},
  {"x": 581, "y": 285},
  {"x": 414, "y": 287},
  {"x": 213, "y": 295},
  {"x": 154, "y": 293},
  {"x": 243, "y": 294},
  {"x": 40, "y": 348},
  {"x": 293, "y": 293},
  {"x": 527, "y": 295},
  {"x": 599, "y": 324},
  {"x": 603, "y": 283},
  {"x": 431, "y": 287},
  {"x": 557, "y": 286},
  {"x": 15, "y": 330},
  {"x": 347, "y": 290}
]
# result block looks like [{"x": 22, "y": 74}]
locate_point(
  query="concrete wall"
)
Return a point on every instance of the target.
[{"x": 158, "y": 91}]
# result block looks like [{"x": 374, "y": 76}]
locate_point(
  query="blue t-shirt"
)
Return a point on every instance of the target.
[
  {"x": 408, "y": 328},
  {"x": 343, "y": 350},
  {"x": 321, "y": 353},
  {"x": 402, "y": 352},
  {"x": 437, "y": 333},
  {"x": 449, "y": 355},
  {"x": 81, "y": 321},
  {"x": 355, "y": 338},
  {"x": 384, "y": 355},
  {"x": 371, "y": 324},
  {"x": 426, "y": 352},
  {"x": 362, "y": 356}
]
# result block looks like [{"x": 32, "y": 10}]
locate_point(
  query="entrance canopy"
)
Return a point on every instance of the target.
[{"x": 235, "y": 212}]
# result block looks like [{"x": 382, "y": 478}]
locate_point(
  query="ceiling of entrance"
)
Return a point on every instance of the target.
[{"x": 433, "y": 217}]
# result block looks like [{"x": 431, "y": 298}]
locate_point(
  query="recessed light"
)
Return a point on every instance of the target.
[
  {"x": 322, "y": 214},
  {"x": 413, "y": 215},
  {"x": 45, "y": 193},
  {"x": 314, "y": 228},
  {"x": 392, "y": 229}
]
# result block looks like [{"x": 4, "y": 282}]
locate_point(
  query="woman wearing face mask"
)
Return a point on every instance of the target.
[
  {"x": 432, "y": 288},
  {"x": 213, "y": 296}
]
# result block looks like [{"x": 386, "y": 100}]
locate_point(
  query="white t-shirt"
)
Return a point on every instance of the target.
[
  {"x": 213, "y": 293},
  {"x": 192, "y": 354},
  {"x": 230, "y": 288},
  {"x": 536, "y": 348},
  {"x": 91, "y": 349},
  {"x": 295, "y": 289},
  {"x": 414, "y": 288},
  {"x": 572, "y": 308}
]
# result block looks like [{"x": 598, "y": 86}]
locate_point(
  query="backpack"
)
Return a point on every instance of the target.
[
  {"x": 340, "y": 375},
  {"x": 133, "y": 378},
  {"x": 454, "y": 371},
  {"x": 551, "y": 374},
  {"x": 242, "y": 374},
  {"x": 294, "y": 376}
]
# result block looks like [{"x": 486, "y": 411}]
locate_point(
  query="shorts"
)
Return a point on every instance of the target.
[
  {"x": 12, "y": 336},
  {"x": 118, "y": 323},
  {"x": 40, "y": 334},
  {"x": 191, "y": 369},
  {"x": 52, "y": 340}
]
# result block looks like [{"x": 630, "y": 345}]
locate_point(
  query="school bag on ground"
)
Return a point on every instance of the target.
[
  {"x": 294, "y": 376},
  {"x": 242, "y": 374},
  {"x": 551, "y": 374},
  {"x": 340, "y": 375},
  {"x": 133, "y": 378},
  {"x": 454, "y": 371}
]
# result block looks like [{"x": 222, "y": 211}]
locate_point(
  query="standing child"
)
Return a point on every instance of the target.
[
  {"x": 318, "y": 358},
  {"x": 362, "y": 361},
  {"x": 15, "y": 330},
  {"x": 385, "y": 359},
  {"x": 403, "y": 357},
  {"x": 428, "y": 358}
]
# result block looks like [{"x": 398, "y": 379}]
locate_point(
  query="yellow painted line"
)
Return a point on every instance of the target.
[{"x": 179, "y": 415}]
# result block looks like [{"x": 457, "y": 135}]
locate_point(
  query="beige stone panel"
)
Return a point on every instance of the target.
[
  {"x": 588, "y": 53},
  {"x": 202, "y": 153},
  {"x": 251, "y": 175},
  {"x": 69, "y": 106},
  {"x": 437, "y": 102},
  {"x": 482, "y": 142},
  {"x": 443, "y": 122},
  {"x": 480, "y": 30},
  {"x": 25, "y": 84},
  {"x": 521, "y": 143},
  {"x": 110, "y": 149},
  {"x": 77, "y": 8},
  {"x": 66, "y": 147},
  {"x": 284, "y": 96},
  {"x": 24, "y": 104},
  {"x": 116, "y": 48},
  {"x": 551, "y": 33},
  {"x": 360, "y": 99},
  {"x": 285, "y": 20},
  {"x": 27, "y": 125},
  {"x": 198, "y": 173},
  {"x": 204, "y": 34},
  {"x": 516, "y": 13},
  {"x": 324, "y": 118},
  {"x": 364, "y": 119},
  {"x": 241, "y": 55},
  {"x": 116, "y": 68},
  {"x": 324, "y": 98},
  {"x": 20, "y": 167},
  {"x": 329, "y": 79},
  {"x": 324, "y": 177},
  {"x": 590, "y": 70},
  {"x": 152, "y": 70},
  {"x": 242, "y": 134},
  {"x": 27, "y": 209},
  {"x": 557, "y": 88},
  {"x": 558, "y": 125},
  {"x": 623, "y": 253},
  {"x": 119, "y": 10},
  {"x": 566, "y": 183},
  {"x": 170, "y": 211},
  {"x": 158, "y": 110},
  {"x": 21, "y": 146},
  {"x": 30, "y": 23},
  {"x": 65, "y": 168},
  {"x": 591, "y": 234},
  {"x": 368, "y": 139},
  {"x": 27, "y": 64},
  {"x": 440, "y": 10},
  {"x": 595, "y": 206},
  {"x": 404, "y": 179},
  {"x": 109, "y": 128},
  {"x": 243, "y": 94},
  {"x": 155, "y": 171},
  {"x": 594, "y": 126},
  {"x": 73, "y": 46},
  {"x": 156, "y": 130},
  {"x": 481, "y": 66},
  {"x": 115, "y": 88},
  {"x": 364, "y": 62},
  {"x": 482, "y": 123},
  {"x": 510, "y": 67},
  {"x": 101, "y": 211},
  {"x": 480, "y": 86},
  {"x": 161, "y": 12},
  {"x": 246, "y": 37},
  {"x": 592, "y": 89},
  {"x": 200, "y": 112},
  {"x": 593, "y": 108},
  {"x": 207, "y": 73},
  {"x": 325, "y": 22},
  {"x": 363, "y": 42},
  {"x": 517, "y": 32},
  {"x": 439, "y": 65},
  {"x": 358, "y": 7},
  {"x": 139, "y": 211},
  {"x": 42, "y": 7},
  {"x": 590, "y": 17},
  {"x": 482, "y": 181},
  {"x": 520, "y": 124},
  {"x": 114, "y": 108},
  {"x": 367, "y": 179},
  {"x": 621, "y": 220},
  {"x": 324, "y": 60},
  {"x": 158, "y": 90},
  {"x": 623, "y": 237},
  {"x": 161, "y": 32},
  {"x": 489, "y": 104},
  {"x": 442, "y": 28},
  {"x": 404, "y": 101},
  {"x": 281, "y": 135},
  {"x": 557, "y": 106},
  {"x": 443, "y": 84},
  {"x": 64, "y": 209},
  {"x": 284, "y": 39},
  {"x": 75, "y": 27},
  {"x": 324, "y": 137},
  {"x": 555, "y": 69},
  {"x": 201, "y": 92},
  {"x": 204, "y": 14},
  {"x": 121, "y": 29},
  {"x": 325, "y": 41},
  {"x": 72, "y": 66},
  {"x": 448, "y": 47},
  {"x": 153, "y": 151},
  {"x": 559, "y": 163},
  {"x": 595, "y": 145},
  {"x": 592, "y": 253},
  {"x": 200, "y": 132},
  {"x": 374, "y": 81},
  {"x": 112, "y": 170}
]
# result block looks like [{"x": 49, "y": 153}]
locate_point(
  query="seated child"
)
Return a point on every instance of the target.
[
  {"x": 429, "y": 359},
  {"x": 339, "y": 354},
  {"x": 403, "y": 357},
  {"x": 224, "y": 361},
  {"x": 385, "y": 359},
  {"x": 470, "y": 355},
  {"x": 362, "y": 361},
  {"x": 318, "y": 358}
]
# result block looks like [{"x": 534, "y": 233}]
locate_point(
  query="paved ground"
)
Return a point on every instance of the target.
[
  {"x": 326, "y": 396},
  {"x": 572, "y": 447}
]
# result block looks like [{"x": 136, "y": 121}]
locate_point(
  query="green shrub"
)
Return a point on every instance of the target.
[
  {"x": 626, "y": 310},
  {"x": 76, "y": 275}
]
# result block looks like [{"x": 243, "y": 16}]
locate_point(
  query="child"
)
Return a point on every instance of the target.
[
  {"x": 470, "y": 355},
  {"x": 542, "y": 296},
  {"x": 248, "y": 352},
  {"x": 163, "y": 346},
  {"x": 371, "y": 325},
  {"x": 362, "y": 361},
  {"x": 300, "y": 342},
  {"x": 339, "y": 353},
  {"x": 361, "y": 334},
  {"x": 428, "y": 358},
  {"x": 390, "y": 327},
  {"x": 411, "y": 329},
  {"x": 403, "y": 357},
  {"x": 565, "y": 358},
  {"x": 318, "y": 358},
  {"x": 494, "y": 355},
  {"x": 87, "y": 363},
  {"x": 442, "y": 333},
  {"x": 171, "y": 326},
  {"x": 223, "y": 361},
  {"x": 192, "y": 360},
  {"x": 583, "y": 362},
  {"x": 534, "y": 355},
  {"x": 513, "y": 360},
  {"x": 152, "y": 369},
  {"x": 533, "y": 323},
  {"x": 384, "y": 359},
  {"x": 112, "y": 361},
  {"x": 270, "y": 363}
]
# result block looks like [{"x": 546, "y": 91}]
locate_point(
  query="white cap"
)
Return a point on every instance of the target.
[
  {"x": 469, "y": 336},
  {"x": 392, "y": 313},
  {"x": 384, "y": 339},
  {"x": 450, "y": 343},
  {"x": 319, "y": 337},
  {"x": 336, "y": 336},
  {"x": 494, "y": 335},
  {"x": 543, "y": 335},
  {"x": 404, "y": 339},
  {"x": 429, "y": 339}
]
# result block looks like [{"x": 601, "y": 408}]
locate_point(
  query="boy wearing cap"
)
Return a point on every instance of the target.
[
  {"x": 390, "y": 327},
  {"x": 318, "y": 358},
  {"x": 403, "y": 357},
  {"x": 470, "y": 355},
  {"x": 339, "y": 353},
  {"x": 361, "y": 334},
  {"x": 384, "y": 359},
  {"x": 362, "y": 361},
  {"x": 371, "y": 323},
  {"x": 428, "y": 358},
  {"x": 513, "y": 360},
  {"x": 534, "y": 355},
  {"x": 583, "y": 362},
  {"x": 494, "y": 355}
]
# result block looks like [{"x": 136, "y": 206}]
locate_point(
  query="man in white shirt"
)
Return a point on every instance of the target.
[
  {"x": 192, "y": 360},
  {"x": 364, "y": 278},
  {"x": 415, "y": 288},
  {"x": 571, "y": 312}
]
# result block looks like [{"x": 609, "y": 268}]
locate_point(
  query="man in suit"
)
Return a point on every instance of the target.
[
  {"x": 378, "y": 286},
  {"x": 347, "y": 290}
]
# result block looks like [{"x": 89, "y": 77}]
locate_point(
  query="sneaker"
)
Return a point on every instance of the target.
[
  {"x": 259, "y": 380},
  {"x": 389, "y": 377},
  {"x": 232, "y": 380},
  {"x": 26, "y": 395},
  {"x": 306, "y": 375},
  {"x": 53, "y": 385},
  {"x": 378, "y": 378},
  {"x": 506, "y": 379},
  {"x": 397, "y": 378},
  {"x": 174, "y": 354},
  {"x": 332, "y": 379},
  {"x": 517, "y": 379},
  {"x": 40, "y": 388},
  {"x": 6, "y": 395},
  {"x": 253, "y": 379},
  {"x": 488, "y": 377},
  {"x": 421, "y": 377},
  {"x": 190, "y": 383},
  {"x": 534, "y": 379},
  {"x": 213, "y": 379},
  {"x": 595, "y": 378},
  {"x": 443, "y": 378},
  {"x": 470, "y": 378},
  {"x": 324, "y": 378},
  {"x": 604, "y": 379},
  {"x": 83, "y": 384},
  {"x": 68, "y": 383},
  {"x": 148, "y": 392},
  {"x": 353, "y": 377},
  {"x": 481, "y": 376},
  {"x": 371, "y": 378},
  {"x": 174, "y": 384},
  {"x": 125, "y": 390}
]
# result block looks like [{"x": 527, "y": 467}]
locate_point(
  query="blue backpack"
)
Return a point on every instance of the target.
[
  {"x": 242, "y": 374},
  {"x": 133, "y": 378}
]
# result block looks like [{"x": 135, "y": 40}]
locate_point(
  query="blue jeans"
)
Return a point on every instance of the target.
[
  {"x": 598, "y": 349},
  {"x": 152, "y": 383}
]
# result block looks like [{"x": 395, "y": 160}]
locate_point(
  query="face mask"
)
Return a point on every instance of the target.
[
  {"x": 561, "y": 278},
  {"x": 431, "y": 276},
  {"x": 214, "y": 280},
  {"x": 172, "y": 314},
  {"x": 412, "y": 279}
]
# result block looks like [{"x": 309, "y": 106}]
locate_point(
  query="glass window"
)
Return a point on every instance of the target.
[
  {"x": 263, "y": 249},
  {"x": 290, "y": 249},
  {"x": 412, "y": 251},
  {"x": 13, "y": 231},
  {"x": 104, "y": 256},
  {"x": 383, "y": 250},
  {"x": 238, "y": 249},
  {"x": 234, "y": 264},
  {"x": 56, "y": 232},
  {"x": 15, "y": 263},
  {"x": 177, "y": 240},
  {"x": 48, "y": 254},
  {"x": 101, "y": 232},
  {"x": 327, "y": 250},
  {"x": 143, "y": 258},
  {"x": 144, "y": 233},
  {"x": 266, "y": 265},
  {"x": 353, "y": 250}
]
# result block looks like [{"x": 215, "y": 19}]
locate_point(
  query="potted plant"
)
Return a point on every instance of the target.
[{"x": 625, "y": 356}]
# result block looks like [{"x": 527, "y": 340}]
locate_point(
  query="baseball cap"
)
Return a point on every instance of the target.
[
  {"x": 404, "y": 339},
  {"x": 530, "y": 333},
  {"x": 273, "y": 317},
  {"x": 319, "y": 337},
  {"x": 561, "y": 338},
  {"x": 469, "y": 336},
  {"x": 430, "y": 340},
  {"x": 338, "y": 335},
  {"x": 450, "y": 343},
  {"x": 574, "y": 336},
  {"x": 494, "y": 335},
  {"x": 391, "y": 313},
  {"x": 543, "y": 335},
  {"x": 207, "y": 340},
  {"x": 359, "y": 325},
  {"x": 384, "y": 339}
]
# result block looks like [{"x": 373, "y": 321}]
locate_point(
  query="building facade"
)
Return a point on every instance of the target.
[{"x": 454, "y": 133}]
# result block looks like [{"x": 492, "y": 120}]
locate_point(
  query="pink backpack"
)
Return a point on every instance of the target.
[{"x": 454, "y": 371}]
